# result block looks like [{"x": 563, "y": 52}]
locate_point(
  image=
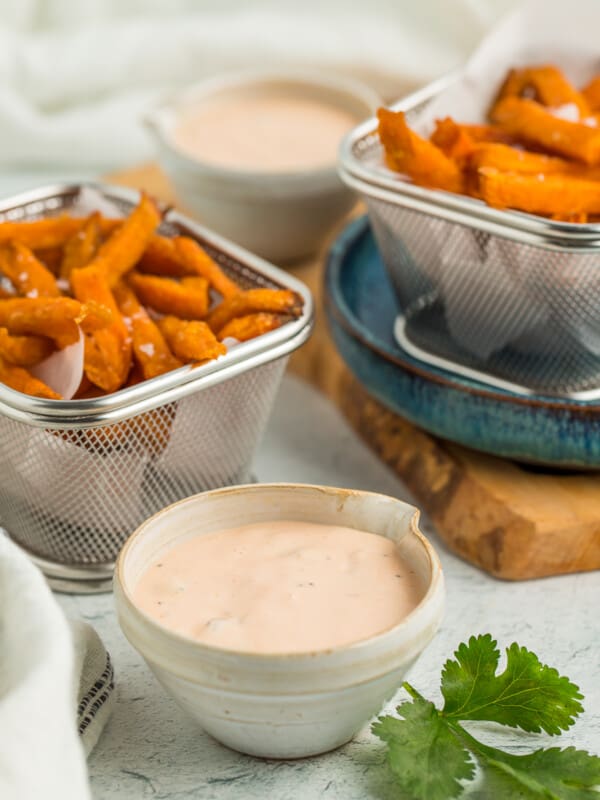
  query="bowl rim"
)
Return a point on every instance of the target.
[
  {"x": 434, "y": 590},
  {"x": 155, "y": 118}
]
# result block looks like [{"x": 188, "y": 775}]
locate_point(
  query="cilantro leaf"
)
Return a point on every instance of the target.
[
  {"x": 424, "y": 755},
  {"x": 553, "y": 774},
  {"x": 527, "y": 695},
  {"x": 567, "y": 774},
  {"x": 497, "y": 785},
  {"x": 432, "y": 754}
]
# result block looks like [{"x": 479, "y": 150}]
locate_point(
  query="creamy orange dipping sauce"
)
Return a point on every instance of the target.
[
  {"x": 280, "y": 587},
  {"x": 262, "y": 131}
]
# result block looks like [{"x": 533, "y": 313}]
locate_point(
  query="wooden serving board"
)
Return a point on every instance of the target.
[{"x": 511, "y": 521}]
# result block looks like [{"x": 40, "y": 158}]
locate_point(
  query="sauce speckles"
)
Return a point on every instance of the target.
[{"x": 280, "y": 587}]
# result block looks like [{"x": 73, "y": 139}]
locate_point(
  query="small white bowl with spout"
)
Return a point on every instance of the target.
[
  {"x": 281, "y": 705},
  {"x": 282, "y": 215}
]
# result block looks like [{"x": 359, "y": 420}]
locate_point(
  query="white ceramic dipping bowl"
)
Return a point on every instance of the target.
[
  {"x": 281, "y": 706},
  {"x": 281, "y": 216}
]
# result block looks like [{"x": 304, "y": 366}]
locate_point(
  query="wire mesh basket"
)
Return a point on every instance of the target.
[
  {"x": 507, "y": 298},
  {"x": 77, "y": 477}
]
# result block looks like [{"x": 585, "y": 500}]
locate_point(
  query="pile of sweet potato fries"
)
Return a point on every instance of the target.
[
  {"x": 146, "y": 304},
  {"x": 540, "y": 152}
]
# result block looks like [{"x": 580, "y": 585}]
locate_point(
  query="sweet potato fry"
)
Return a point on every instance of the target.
[
  {"x": 120, "y": 252},
  {"x": 546, "y": 85},
  {"x": 181, "y": 257},
  {"x": 579, "y": 219},
  {"x": 539, "y": 194},
  {"x": 150, "y": 349},
  {"x": 94, "y": 316},
  {"x": 509, "y": 159},
  {"x": 161, "y": 258},
  {"x": 50, "y": 258},
  {"x": 535, "y": 125},
  {"x": 274, "y": 301},
  {"x": 40, "y": 234},
  {"x": 81, "y": 247},
  {"x": 54, "y": 317},
  {"x": 108, "y": 351},
  {"x": 198, "y": 262},
  {"x": 458, "y": 142},
  {"x": 188, "y": 299},
  {"x": 87, "y": 389},
  {"x": 24, "y": 351},
  {"x": 452, "y": 139},
  {"x": 591, "y": 92},
  {"x": 106, "y": 361},
  {"x": 135, "y": 376},
  {"x": 191, "y": 340},
  {"x": 250, "y": 326},
  {"x": 26, "y": 273},
  {"x": 22, "y": 381},
  {"x": 416, "y": 157}
]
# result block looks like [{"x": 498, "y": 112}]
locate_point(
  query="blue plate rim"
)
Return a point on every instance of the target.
[{"x": 336, "y": 305}]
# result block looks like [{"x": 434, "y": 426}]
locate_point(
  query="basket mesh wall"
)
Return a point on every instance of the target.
[
  {"x": 524, "y": 313},
  {"x": 74, "y": 496}
]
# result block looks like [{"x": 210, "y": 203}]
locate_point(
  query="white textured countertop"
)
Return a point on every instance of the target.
[{"x": 151, "y": 750}]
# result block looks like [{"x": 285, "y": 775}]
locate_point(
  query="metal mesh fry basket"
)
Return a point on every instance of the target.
[
  {"x": 77, "y": 477},
  {"x": 507, "y": 298}
]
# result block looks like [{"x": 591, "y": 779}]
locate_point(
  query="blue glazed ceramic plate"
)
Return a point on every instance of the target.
[{"x": 362, "y": 308}]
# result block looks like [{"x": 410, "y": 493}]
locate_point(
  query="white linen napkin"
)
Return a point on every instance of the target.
[{"x": 56, "y": 688}]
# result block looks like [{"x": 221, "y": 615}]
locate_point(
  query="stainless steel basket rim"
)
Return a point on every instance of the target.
[
  {"x": 514, "y": 225},
  {"x": 431, "y": 359},
  {"x": 173, "y": 385},
  {"x": 156, "y": 398},
  {"x": 465, "y": 217}
]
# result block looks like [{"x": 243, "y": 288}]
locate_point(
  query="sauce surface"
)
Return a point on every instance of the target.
[
  {"x": 262, "y": 131},
  {"x": 280, "y": 587}
]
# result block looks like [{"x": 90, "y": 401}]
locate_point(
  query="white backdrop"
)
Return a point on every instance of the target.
[{"x": 76, "y": 74}]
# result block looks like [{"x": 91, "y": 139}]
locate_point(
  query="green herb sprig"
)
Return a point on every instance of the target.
[{"x": 433, "y": 757}]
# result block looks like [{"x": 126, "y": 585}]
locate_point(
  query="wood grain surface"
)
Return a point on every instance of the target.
[{"x": 512, "y": 521}]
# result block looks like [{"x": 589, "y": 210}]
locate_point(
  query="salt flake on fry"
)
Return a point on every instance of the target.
[
  {"x": 151, "y": 351},
  {"x": 28, "y": 275}
]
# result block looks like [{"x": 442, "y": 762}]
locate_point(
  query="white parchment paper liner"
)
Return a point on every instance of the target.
[{"x": 62, "y": 370}]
